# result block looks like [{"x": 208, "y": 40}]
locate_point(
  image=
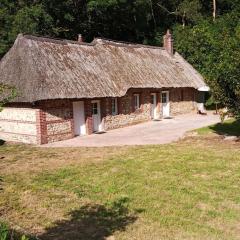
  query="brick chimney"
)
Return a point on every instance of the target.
[
  {"x": 80, "y": 38},
  {"x": 168, "y": 42}
]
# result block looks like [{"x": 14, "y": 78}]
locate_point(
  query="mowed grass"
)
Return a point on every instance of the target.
[
  {"x": 229, "y": 127},
  {"x": 185, "y": 190}
]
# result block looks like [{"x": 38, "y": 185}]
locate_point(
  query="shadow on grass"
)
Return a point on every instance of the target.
[
  {"x": 231, "y": 128},
  {"x": 2, "y": 142},
  {"x": 92, "y": 222},
  {"x": 1, "y": 187}
]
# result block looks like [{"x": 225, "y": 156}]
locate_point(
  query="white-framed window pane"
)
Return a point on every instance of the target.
[
  {"x": 152, "y": 98},
  {"x": 94, "y": 108},
  {"x": 136, "y": 101},
  {"x": 164, "y": 97},
  {"x": 114, "y": 106}
]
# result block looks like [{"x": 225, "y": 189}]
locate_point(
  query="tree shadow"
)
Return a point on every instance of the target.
[
  {"x": 92, "y": 222},
  {"x": 227, "y": 128},
  {"x": 1, "y": 183}
]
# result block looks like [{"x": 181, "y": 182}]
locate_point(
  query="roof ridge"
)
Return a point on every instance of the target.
[
  {"x": 98, "y": 40},
  {"x": 125, "y": 43},
  {"x": 54, "y": 40}
]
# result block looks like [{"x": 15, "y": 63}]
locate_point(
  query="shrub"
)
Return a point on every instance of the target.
[
  {"x": 223, "y": 113},
  {"x": 8, "y": 234}
]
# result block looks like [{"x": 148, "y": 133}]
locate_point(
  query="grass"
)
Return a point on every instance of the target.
[
  {"x": 230, "y": 127},
  {"x": 185, "y": 190},
  {"x": 6, "y": 233}
]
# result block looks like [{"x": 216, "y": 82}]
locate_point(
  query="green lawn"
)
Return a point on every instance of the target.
[
  {"x": 229, "y": 127},
  {"x": 185, "y": 190}
]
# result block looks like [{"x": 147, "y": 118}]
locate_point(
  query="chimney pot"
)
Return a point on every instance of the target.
[
  {"x": 168, "y": 42},
  {"x": 80, "y": 38}
]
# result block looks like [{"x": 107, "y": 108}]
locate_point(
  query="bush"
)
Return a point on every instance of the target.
[
  {"x": 223, "y": 114},
  {"x": 8, "y": 234},
  {"x": 3, "y": 231}
]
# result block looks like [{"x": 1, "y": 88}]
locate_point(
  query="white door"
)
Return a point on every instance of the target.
[
  {"x": 96, "y": 116},
  {"x": 79, "y": 118},
  {"x": 154, "y": 105},
  {"x": 165, "y": 104}
]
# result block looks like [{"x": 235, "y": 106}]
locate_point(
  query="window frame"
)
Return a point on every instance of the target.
[
  {"x": 136, "y": 101},
  {"x": 164, "y": 99},
  {"x": 182, "y": 95},
  {"x": 95, "y": 107},
  {"x": 153, "y": 97},
  {"x": 114, "y": 104}
]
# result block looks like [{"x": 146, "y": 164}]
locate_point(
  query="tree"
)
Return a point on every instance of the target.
[
  {"x": 214, "y": 9},
  {"x": 212, "y": 47},
  {"x": 22, "y": 16},
  {"x": 186, "y": 11},
  {"x": 214, "y": 50},
  {"x": 7, "y": 93},
  {"x": 34, "y": 20}
]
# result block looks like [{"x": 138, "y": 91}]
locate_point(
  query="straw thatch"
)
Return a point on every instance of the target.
[{"x": 43, "y": 68}]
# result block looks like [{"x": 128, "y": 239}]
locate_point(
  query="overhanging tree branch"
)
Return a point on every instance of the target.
[{"x": 166, "y": 10}]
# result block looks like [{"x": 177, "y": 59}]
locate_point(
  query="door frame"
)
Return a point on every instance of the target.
[
  {"x": 99, "y": 116},
  {"x": 79, "y": 118},
  {"x": 168, "y": 103},
  {"x": 154, "y": 111}
]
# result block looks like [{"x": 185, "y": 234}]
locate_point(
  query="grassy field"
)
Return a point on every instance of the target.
[
  {"x": 185, "y": 190},
  {"x": 230, "y": 127}
]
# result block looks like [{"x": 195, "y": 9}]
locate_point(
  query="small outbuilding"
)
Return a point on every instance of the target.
[{"x": 68, "y": 88}]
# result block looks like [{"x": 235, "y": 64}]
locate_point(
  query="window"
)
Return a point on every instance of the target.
[
  {"x": 136, "y": 101},
  {"x": 164, "y": 97},
  {"x": 153, "y": 98},
  {"x": 114, "y": 106},
  {"x": 94, "y": 108},
  {"x": 182, "y": 95}
]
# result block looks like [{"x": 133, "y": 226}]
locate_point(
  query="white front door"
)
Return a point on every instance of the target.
[
  {"x": 79, "y": 118},
  {"x": 96, "y": 116},
  {"x": 153, "y": 105},
  {"x": 165, "y": 104}
]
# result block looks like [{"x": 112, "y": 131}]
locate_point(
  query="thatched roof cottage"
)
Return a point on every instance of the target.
[{"x": 69, "y": 88}]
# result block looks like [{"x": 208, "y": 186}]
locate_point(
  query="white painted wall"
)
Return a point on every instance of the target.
[{"x": 18, "y": 124}]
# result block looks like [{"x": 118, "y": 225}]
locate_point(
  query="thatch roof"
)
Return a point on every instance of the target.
[{"x": 43, "y": 68}]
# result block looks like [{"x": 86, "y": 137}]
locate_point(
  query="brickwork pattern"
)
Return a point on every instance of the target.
[
  {"x": 182, "y": 101},
  {"x": 57, "y": 120},
  {"x": 53, "y": 120}
]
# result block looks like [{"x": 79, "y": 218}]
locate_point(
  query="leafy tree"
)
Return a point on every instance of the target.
[
  {"x": 6, "y": 18},
  {"x": 25, "y": 17},
  {"x": 211, "y": 46},
  {"x": 7, "y": 93},
  {"x": 33, "y": 19},
  {"x": 186, "y": 11},
  {"x": 214, "y": 50}
]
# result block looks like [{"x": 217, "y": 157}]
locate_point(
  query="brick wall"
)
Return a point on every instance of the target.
[
  {"x": 57, "y": 122},
  {"x": 18, "y": 124},
  {"x": 126, "y": 114},
  {"x": 182, "y": 101},
  {"x": 52, "y": 120}
]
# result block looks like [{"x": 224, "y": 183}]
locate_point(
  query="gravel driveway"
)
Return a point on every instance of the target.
[{"x": 153, "y": 132}]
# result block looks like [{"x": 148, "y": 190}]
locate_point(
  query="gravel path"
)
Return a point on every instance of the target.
[{"x": 153, "y": 132}]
